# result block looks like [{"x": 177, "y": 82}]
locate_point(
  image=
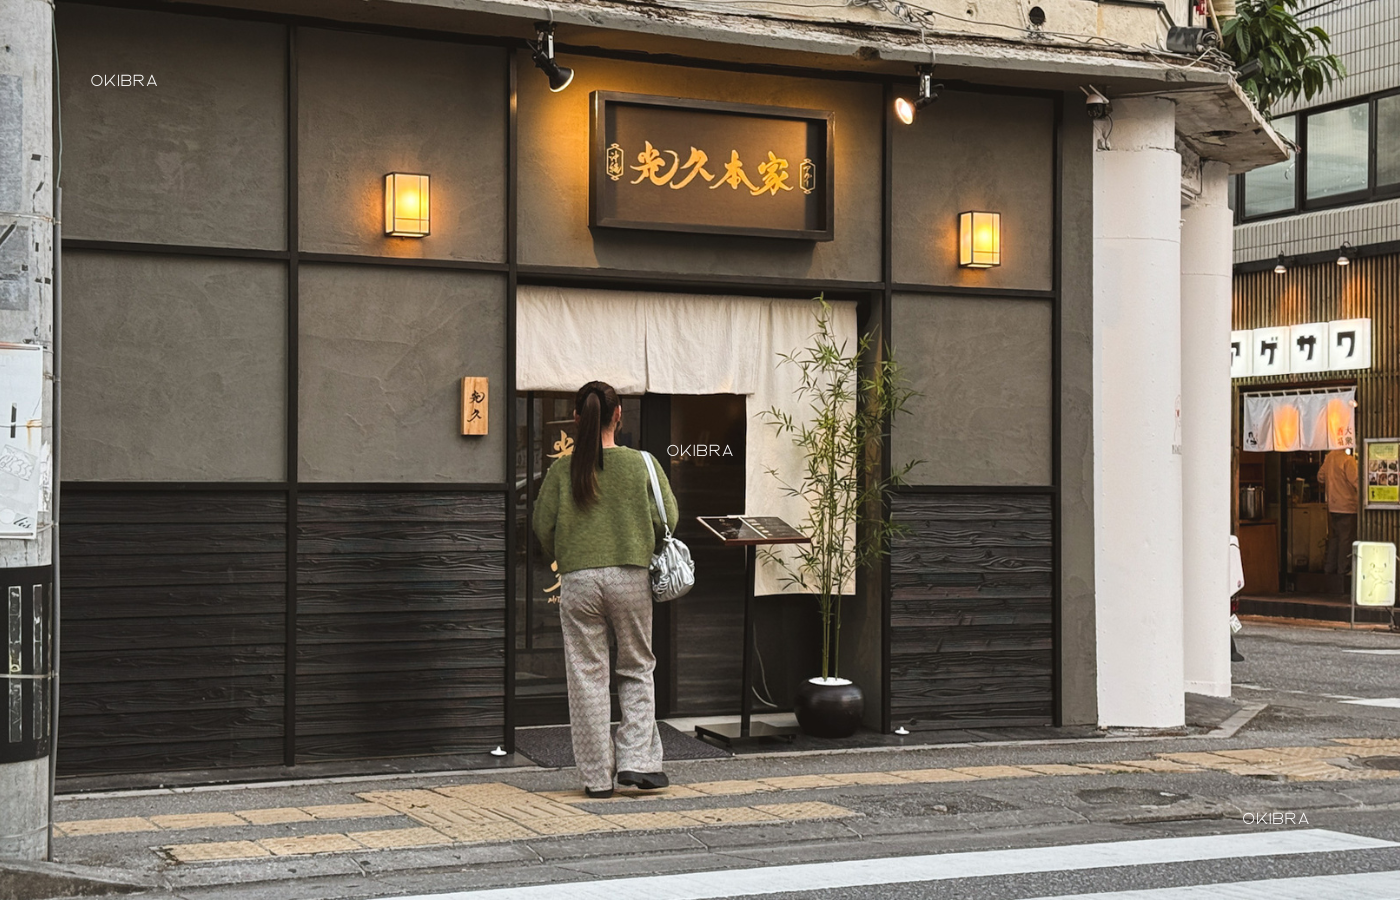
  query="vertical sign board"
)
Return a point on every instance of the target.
[
  {"x": 23, "y": 455},
  {"x": 1373, "y": 575},
  {"x": 666, "y": 164},
  {"x": 476, "y": 395},
  {"x": 1349, "y": 346},
  {"x": 1271, "y": 351},
  {"x": 1308, "y": 349}
]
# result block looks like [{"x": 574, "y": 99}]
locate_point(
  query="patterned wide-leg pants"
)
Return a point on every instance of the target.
[{"x": 594, "y": 603}]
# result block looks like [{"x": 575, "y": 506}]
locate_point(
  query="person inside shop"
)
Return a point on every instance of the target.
[
  {"x": 595, "y": 515},
  {"x": 1338, "y": 475}
]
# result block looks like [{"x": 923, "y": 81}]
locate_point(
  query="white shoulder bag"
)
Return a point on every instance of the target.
[{"x": 672, "y": 569}]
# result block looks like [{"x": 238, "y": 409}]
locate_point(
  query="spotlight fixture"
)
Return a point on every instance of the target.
[
  {"x": 904, "y": 109},
  {"x": 1345, "y": 254},
  {"x": 1185, "y": 39},
  {"x": 1279, "y": 267},
  {"x": 543, "y": 52}
]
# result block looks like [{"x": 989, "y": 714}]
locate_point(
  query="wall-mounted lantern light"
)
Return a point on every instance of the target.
[
  {"x": 979, "y": 240},
  {"x": 1280, "y": 267},
  {"x": 1345, "y": 254},
  {"x": 406, "y": 205}
]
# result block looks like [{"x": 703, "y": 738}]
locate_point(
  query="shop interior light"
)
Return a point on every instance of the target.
[
  {"x": 543, "y": 52},
  {"x": 905, "y": 109},
  {"x": 1345, "y": 254},
  {"x": 406, "y": 205},
  {"x": 1279, "y": 267},
  {"x": 979, "y": 240}
]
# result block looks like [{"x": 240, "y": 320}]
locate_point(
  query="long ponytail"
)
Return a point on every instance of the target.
[{"x": 594, "y": 404}]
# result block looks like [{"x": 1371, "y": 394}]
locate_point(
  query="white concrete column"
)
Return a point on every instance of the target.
[
  {"x": 1137, "y": 385},
  {"x": 1207, "y": 237}
]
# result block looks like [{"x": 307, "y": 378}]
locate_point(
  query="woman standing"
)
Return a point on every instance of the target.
[{"x": 595, "y": 515}]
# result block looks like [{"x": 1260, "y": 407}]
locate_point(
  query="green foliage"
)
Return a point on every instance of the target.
[
  {"x": 848, "y": 400},
  {"x": 1293, "y": 60}
]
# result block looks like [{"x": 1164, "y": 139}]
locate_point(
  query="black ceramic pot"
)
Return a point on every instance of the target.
[{"x": 829, "y": 710}]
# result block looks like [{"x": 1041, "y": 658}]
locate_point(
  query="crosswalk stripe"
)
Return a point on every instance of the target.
[
  {"x": 1359, "y": 886},
  {"x": 1387, "y": 702},
  {"x": 935, "y": 867}
]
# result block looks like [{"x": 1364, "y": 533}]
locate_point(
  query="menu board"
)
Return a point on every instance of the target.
[
  {"x": 1381, "y": 475},
  {"x": 753, "y": 530}
]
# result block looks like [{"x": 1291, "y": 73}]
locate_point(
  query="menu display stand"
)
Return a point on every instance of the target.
[{"x": 749, "y": 532}]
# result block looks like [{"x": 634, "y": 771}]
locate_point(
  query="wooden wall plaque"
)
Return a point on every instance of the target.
[
  {"x": 476, "y": 395},
  {"x": 667, "y": 164}
]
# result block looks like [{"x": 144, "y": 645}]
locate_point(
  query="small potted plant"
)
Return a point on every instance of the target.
[{"x": 849, "y": 399}]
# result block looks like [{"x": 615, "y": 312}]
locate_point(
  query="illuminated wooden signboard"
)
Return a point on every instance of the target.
[{"x": 663, "y": 164}]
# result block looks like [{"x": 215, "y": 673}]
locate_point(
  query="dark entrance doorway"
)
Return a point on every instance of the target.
[{"x": 700, "y": 439}]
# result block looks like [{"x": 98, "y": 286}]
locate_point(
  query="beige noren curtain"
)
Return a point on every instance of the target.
[{"x": 682, "y": 344}]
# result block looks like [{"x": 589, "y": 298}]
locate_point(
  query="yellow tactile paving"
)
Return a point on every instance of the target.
[
  {"x": 738, "y": 815},
  {"x": 1061, "y": 769},
  {"x": 348, "y": 811},
  {"x": 723, "y": 788},
  {"x": 930, "y": 776},
  {"x": 216, "y": 850},
  {"x": 1160, "y": 766},
  {"x": 652, "y": 820},
  {"x": 796, "y": 811},
  {"x": 186, "y": 821},
  {"x": 276, "y": 816},
  {"x": 799, "y": 782},
  {"x": 311, "y": 843},
  {"x": 996, "y": 771},
  {"x": 584, "y": 824},
  {"x": 126, "y": 825},
  {"x": 1217, "y": 762},
  {"x": 399, "y": 838},
  {"x": 674, "y": 792},
  {"x": 848, "y": 778}
]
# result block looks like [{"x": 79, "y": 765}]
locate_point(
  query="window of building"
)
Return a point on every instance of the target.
[
  {"x": 1273, "y": 189},
  {"x": 1337, "y": 158},
  {"x": 1388, "y": 142}
]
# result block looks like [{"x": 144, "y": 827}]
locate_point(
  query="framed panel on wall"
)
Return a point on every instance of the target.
[
  {"x": 1380, "y": 473},
  {"x": 669, "y": 164}
]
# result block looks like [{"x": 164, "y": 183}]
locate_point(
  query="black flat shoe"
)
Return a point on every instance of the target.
[
  {"x": 647, "y": 781},
  {"x": 603, "y": 794}
]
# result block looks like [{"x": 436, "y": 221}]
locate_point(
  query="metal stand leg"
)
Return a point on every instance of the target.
[{"x": 746, "y": 729}]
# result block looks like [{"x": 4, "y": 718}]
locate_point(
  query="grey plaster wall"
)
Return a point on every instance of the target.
[
  {"x": 553, "y": 192},
  {"x": 982, "y": 370},
  {"x": 198, "y": 159},
  {"x": 975, "y": 152},
  {"x": 370, "y": 105},
  {"x": 1077, "y": 642},
  {"x": 174, "y": 369},
  {"x": 383, "y": 353}
]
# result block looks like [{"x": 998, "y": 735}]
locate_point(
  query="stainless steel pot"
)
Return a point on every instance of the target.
[{"x": 1251, "y": 501}]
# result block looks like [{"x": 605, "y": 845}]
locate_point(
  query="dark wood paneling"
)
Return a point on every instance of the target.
[
  {"x": 173, "y": 630},
  {"x": 971, "y": 610},
  {"x": 400, "y": 623}
]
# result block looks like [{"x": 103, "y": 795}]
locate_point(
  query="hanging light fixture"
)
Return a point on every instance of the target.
[
  {"x": 1279, "y": 267},
  {"x": 1345, "y": 254},
  {"x": 904, "y": 109},
  {"x": 543, "y": 52}
]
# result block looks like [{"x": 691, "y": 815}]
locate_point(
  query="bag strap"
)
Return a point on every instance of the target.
[{"x": 656, "y": 492}]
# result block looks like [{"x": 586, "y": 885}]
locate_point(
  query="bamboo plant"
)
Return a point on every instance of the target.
[{"x": 847, "y": 401}]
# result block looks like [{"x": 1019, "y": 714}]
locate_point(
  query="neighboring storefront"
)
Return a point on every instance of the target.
[
  {"x": 1317, "y": 365},
  {"x": 300, "y": 454}
]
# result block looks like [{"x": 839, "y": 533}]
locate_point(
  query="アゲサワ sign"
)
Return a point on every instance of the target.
[{"x": 664, "y": 164}]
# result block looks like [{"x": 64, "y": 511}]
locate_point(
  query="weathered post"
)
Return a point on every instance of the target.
[{"x": 26, "y": 424}]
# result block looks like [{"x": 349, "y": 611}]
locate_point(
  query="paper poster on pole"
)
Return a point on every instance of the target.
[{"x": 22, "y": 451}]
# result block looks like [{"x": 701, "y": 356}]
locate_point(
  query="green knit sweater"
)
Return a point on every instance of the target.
[{"x": 621, "y": 528}]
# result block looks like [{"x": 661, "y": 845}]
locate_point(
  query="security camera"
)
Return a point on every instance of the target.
[
  {"x": 1184, "y": 39},
  {"x": 1095, "y": 103}
]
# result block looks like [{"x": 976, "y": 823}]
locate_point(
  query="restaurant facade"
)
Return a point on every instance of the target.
[{"x": 331, "y": 274}]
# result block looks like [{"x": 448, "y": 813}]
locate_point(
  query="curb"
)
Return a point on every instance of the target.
[{"x": 44, "y": 880}]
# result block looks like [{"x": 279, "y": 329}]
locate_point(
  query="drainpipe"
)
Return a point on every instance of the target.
[{"x": 26, "y": 320}]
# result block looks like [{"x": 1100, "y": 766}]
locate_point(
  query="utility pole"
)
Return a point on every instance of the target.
[{"x": 27, "y": 280}]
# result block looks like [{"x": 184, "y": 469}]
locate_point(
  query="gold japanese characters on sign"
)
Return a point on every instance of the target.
[
  {"x": 663, "y": 164},
  {"x": 654, "y": 167}
]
